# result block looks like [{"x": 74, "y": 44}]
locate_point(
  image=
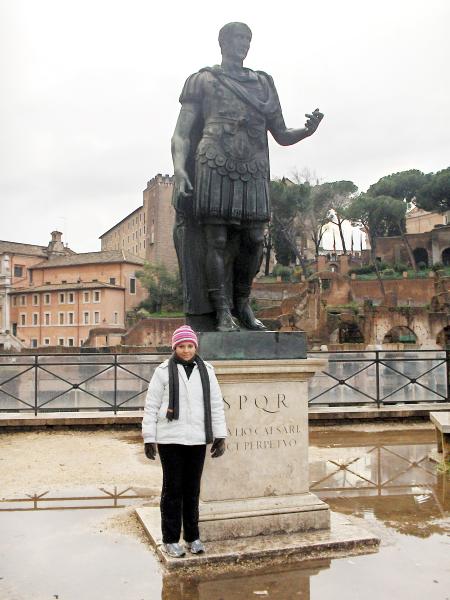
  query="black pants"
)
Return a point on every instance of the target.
[{"x": 182, "y": 471}]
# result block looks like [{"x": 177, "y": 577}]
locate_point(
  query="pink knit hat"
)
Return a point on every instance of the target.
[{"x": 184, "y": 334}]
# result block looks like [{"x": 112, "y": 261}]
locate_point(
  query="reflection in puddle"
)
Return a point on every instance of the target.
[
  {"x": 383, "y": 476},
  {"x": 282, "y": 583},
  {"x": 88, "y": 498}
]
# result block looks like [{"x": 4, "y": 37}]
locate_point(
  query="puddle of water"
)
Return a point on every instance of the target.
[
  {"x": 385, "y": 479},
  {"x": 71, "y": 555}
]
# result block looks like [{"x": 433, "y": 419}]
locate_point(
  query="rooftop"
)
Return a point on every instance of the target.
[
  {"x": 18, "y": 248},
  {"x": 90, "y": 258},
  {"x": 122, "y": 221}
]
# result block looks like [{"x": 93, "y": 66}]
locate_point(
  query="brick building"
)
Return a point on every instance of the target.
[
  {"x": 16, "y": 260},
  {"x": 65, "y": 297},
  {"x": 421, "y": 221},
  {"x": 147, "y": 231}
]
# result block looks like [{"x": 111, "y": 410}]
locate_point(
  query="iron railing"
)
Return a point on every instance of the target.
[
  {"x": 118, "y": 382},
  {"x": 381, "y": 377}
]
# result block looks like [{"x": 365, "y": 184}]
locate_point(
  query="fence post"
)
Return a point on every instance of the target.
[
  {"x": 36, "y": 362},
  {"x": 447, "y": 369},
  {"x": 115, "y": 383},
  {"x": 377, "y": 376}
]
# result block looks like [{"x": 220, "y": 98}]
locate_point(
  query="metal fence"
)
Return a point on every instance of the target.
[
  {"x": 118, "y": 382},
  {"x": 381, "y": 378}
]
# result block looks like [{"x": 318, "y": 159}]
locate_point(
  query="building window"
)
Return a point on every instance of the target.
[
  {"x": 112, "y": 280},
  {"x": 61, "y": 318},
  {"x": 35, "y": 300},
  {"x": 14, "y": 299},
  {"x": 47, "y": 318},
  {"x": 96, "y": 296},
  {"x": 116, "y": 318},
  {"x": 60, "y": 341},
  {"x": 86, "y": 297},
  {"x": 70, "y": 317},
  {"x": 46, "y": 341},
  {"x": 70, "y": 342},
  {"x": 18, "y": 271},
  {"x": 34, "y": 343},
  {"x": 70, "y": 298},
  {"x": 23, "y": 300},
  {"x": 96, "y": 317},
  {"x": 23, "y": 319},
  {"x": 35, "y": 319},
  {"x": 132, "y": 285},
  {"x": 47, "y": 298},
  {"x": 86, "y": 318},
  {"x": 62, "y": 298}
]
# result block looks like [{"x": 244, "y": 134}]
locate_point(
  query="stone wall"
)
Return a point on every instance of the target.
[
  {"x": 418, "y": 291},
  {"x": 153, "y": 332}
]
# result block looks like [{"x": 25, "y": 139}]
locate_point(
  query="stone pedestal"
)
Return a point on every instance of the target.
[
  {"x": 261, "y": 485},
  {"x": 255, "y": 499}
]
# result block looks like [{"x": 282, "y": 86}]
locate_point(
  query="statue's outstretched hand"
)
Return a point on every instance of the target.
[
  {"x": 183, "y": 184},
  {"x": 313, "y": 121}
]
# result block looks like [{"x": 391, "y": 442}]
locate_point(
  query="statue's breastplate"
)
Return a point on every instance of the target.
[{"x": 234, "y": 136}]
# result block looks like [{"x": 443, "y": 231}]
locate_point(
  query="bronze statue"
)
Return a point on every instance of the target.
[{"x": 221, "y": 195}]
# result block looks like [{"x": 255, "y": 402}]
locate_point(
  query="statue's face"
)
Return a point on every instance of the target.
[{"x": 237, "y": 43}]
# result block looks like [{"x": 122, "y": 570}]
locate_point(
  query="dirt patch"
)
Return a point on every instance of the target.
[{"x": 31, "y": 461}]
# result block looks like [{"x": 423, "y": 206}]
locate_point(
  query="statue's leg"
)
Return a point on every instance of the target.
[
  {"x": 246, "y": 266},
  {"x": 216, "y": 241}
]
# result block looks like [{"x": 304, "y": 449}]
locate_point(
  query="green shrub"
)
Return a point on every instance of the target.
[
  {"x": 400, "y": 267},
  {"x": 363, "y": 270},
  {"x": 438, "y": 266},
  {"x": 282, "y": 271},
  {"x": 388, "y": 273},
  {"x": 422, "y": 265}
]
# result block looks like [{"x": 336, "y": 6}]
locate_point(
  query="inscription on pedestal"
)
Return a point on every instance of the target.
[{"x": 267, "y": 443}]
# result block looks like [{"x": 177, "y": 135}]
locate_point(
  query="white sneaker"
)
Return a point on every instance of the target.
[
  {"x": 174, "y": 550},
  {"x": 196, "y": 547}
]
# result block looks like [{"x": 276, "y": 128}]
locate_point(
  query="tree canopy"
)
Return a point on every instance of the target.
[
  {"x": 434, "y": 195},
  {"x": 164, "y": 287},
  {"x": 403, "y": 185}
]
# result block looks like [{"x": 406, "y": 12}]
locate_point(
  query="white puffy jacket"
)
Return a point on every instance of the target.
[{"x": 189, "y": 428}]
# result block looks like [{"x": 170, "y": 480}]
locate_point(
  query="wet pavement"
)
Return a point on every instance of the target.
[{"x": 84, "y": 542}]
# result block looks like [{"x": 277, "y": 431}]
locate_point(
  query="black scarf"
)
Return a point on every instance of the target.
[{"x": 173, "y": 410}]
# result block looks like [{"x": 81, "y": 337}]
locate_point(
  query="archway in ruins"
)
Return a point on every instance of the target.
[
  {"x": 446, "y": 257},
  {"x": 350, "y": 333},
  {"x": 420, "y": 256},
  {"x": 400, "y": 335},
  {"x": 443, "y": 337}
]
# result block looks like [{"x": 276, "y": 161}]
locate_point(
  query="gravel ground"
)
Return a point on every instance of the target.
[{"x": 31, "y": 460}]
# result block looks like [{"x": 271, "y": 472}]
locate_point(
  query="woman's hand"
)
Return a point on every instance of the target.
[
  {"x": 218, "y": 447},
  {"x": 150, "y": 450}
]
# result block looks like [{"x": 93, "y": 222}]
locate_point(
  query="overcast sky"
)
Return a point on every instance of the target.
[{"x": 89, "y": 96}]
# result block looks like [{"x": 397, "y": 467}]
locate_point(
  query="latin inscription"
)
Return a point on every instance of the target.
[{"x": 270, "y": 403}]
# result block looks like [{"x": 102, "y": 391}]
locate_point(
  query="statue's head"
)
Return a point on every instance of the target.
[{"x": 234, "y": 40}]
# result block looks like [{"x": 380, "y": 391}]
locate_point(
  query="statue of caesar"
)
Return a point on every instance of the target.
[{"x": 221, "y": 193}]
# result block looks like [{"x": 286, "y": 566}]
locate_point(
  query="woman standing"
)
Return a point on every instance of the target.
[{"x": 183, "y": 412}]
